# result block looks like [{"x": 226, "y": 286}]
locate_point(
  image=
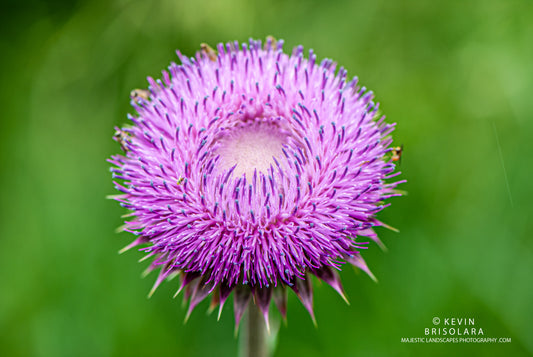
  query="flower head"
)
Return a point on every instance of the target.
[{"x": 247, "y": 169}]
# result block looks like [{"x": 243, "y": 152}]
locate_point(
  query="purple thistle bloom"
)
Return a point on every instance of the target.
[{"x": 247, "y": 169}]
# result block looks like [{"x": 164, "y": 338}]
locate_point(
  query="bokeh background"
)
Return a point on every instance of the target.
[{"x": 457, "y": 77}]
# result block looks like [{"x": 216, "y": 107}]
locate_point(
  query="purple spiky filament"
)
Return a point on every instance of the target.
[{"x": 249, "y": 170}]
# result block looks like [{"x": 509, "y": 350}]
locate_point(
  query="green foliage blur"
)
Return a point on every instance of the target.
[{"x": 457, "y": 77}]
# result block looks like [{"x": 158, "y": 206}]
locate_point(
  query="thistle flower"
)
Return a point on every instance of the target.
[{"x": 248, "y": 170}]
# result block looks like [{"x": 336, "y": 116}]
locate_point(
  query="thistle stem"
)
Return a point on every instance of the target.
[{"x": 253, "y": 338}]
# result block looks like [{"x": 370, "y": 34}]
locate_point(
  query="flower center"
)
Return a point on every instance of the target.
[{"x": 251, "y": 146}]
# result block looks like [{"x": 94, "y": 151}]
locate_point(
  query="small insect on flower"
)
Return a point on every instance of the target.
[
  {"x": 122, "y": 137},
  {"x": 208, "y": 52},
  {"x": 138, "y": 94},
  {"x": 248, "y": 170},
  {"x": 397, "y": 153}
]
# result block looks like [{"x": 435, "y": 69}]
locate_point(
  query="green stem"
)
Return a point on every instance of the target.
[{"x": 253, "y": 338}]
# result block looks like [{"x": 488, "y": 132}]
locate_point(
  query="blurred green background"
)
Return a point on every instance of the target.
[{"x": 457, "y": 77}]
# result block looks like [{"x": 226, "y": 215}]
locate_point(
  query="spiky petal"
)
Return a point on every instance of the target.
[
  {"x": 357, "y": 261},
  {"x": 241, "y": 299},
  {"x": 304, "y": 290},
  {"x": 331, "y": 277},
  {"x": 280, "y": 299},
  {"x": 262, "y": 300},
  {"x": 200, "y": 292}
]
